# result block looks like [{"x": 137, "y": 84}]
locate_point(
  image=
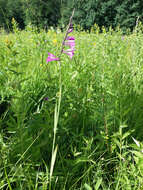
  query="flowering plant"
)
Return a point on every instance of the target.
[{"x": 69, "y": 41}]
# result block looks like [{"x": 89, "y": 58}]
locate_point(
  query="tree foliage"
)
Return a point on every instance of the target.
[
  {"x": 3, "y": 13},
  {"x": 45, "y": 13},
  {"x": 11, "y": 9},
  {"x": 108, "y": 13},
  {"x": 42, "y": 13}
]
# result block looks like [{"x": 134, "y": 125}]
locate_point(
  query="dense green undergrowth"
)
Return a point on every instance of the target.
[{"x": 99, "y": 132}]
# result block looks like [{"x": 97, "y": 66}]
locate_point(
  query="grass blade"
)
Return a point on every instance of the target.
[{"x": 99, "y": 181}]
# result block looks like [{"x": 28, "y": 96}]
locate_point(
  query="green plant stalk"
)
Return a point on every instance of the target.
[
  {"x": 10, "y": 188},
  {"x": 57, "y": 108},
  {"x": 104, "y": 111}
]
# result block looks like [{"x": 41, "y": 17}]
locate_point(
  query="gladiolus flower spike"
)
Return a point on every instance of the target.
[{"x": 68, "y": 41}]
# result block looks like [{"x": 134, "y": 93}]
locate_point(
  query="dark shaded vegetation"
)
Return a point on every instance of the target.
[{"x": 45, "y": 13}]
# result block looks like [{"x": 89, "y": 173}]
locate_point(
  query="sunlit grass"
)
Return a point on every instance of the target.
[{"x": 101, "y": 109}]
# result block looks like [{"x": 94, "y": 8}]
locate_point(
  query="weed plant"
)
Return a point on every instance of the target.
[{"x": 99, "y": 131}]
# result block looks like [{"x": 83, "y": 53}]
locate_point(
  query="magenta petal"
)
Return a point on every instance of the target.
[
  {"x": 70, "y": 30},
  {"x": 70, "y": 38},
  {"x": 69, "y": 52},
  {"x": 52, "y": 57},
  {"x": 69, "y": 43}
]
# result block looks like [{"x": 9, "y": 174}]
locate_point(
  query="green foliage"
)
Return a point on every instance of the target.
[
  {"x": 3, "y": 13},
  {"x": 127, "y": 13},
  {"x": 95, "y": 141},
  {"x": 104, "y": 13},
  {"x": 11, "y": 9},
  {"x": 39, "y": 13},
  {"x": 15, "y": 10},
  {"x": 42, "y": 13}
]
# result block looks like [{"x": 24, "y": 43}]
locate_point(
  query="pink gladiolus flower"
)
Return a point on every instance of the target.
[
  {"x": 70, "y": 41},
  {"x": 52, "y": 57},
  {"x": 69, "y": 52},
  {"x": 71, "y": 44}
]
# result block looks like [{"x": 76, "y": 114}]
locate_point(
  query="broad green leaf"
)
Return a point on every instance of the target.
[{"x": 53, "y": 161}]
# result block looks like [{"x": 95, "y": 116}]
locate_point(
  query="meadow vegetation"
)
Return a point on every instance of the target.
[{"x": 98, "y": 137}]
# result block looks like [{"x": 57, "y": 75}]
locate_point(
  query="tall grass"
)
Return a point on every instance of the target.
[{"x": 99, "y": 131}]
